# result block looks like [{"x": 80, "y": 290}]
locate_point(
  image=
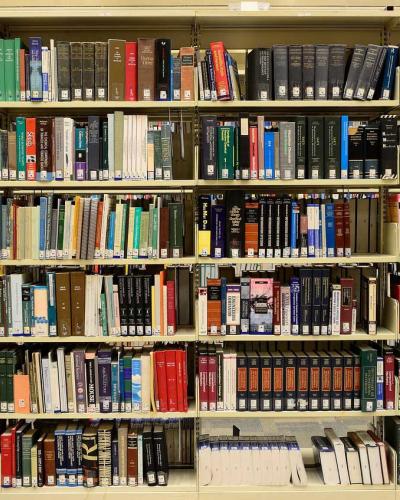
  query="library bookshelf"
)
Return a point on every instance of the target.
[{"x": 191, "y": 23}]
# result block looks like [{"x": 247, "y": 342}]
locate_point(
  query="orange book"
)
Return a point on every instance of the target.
[
  {"x": 30, "y": 139},
  {"x": 187, "y": 73},
  {"x": 251, "y": 228},
  {"x": 214, "y": 306},
  {"x": 22, "y": 400},
  {"x": 162, "y": 281}
]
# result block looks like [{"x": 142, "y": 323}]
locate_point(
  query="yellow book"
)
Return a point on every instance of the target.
[
  {"x": 153, "y": 309},
  {"x": 152, "y": 368},
  {"x": 118, "y": 229},
  {"x": 34, "y": 465},
  {"x": 204, "y": 243},
  {"x": 74, "y": 228}
]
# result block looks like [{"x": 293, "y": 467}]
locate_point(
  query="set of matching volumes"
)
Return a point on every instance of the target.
[
  {"x": 116, "y": 147},
  {"x": 361, "y": 378},
  {"x": 250, "y": 460},
  {"x": 116, "y": 70},
  {"x": 124, "y": 453},
  {"x": 312, "y": 147},
  {"x": 105, "y": 303},
  {"x": 300, "y": 72},
  {"x": 358, "y": 458},
  {"x": 90, "y": 379},
  {"x": 92, "y": 227},
  {"x": 238, "y": 224},
  {"x": 312, "y": 303}
]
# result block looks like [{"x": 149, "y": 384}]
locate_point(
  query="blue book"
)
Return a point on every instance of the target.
[
  {"x": 35, "y": 68},
  {"x": 121, "y": 385},
  {"x": 51, "y": 303},
  {"x": 330, "y": 229},
  {"x": 211, "y": 74},
  {"x": 115, "y": 385},
  {"x": 379, "y": 383},
  {"x": 136, "y": 383},
  {"x": 111, "y": 234},
  {"x": 60, "y": 436},
  {"x": 319, "y": 253},
  {"x": 295, "y": 304},
  {"x": 269, "y": 155},
  {"x": 79, "y": 467},
  {"x": 42, "y": 227},
  {"x": 223, "y": 305},
  {"x": 294, "y": 229},
  {"x": 71, "y": 465},
  {"x": 218, "y": 233},
  {"x": 228, "y": 63},
  {"x": 389, "y": 72},
  {"x": 344, "y": 147}
]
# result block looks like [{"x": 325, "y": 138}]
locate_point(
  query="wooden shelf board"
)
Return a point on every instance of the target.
[
  {"x": 70, "y": 105},
  {"x": 298, "y": 183},
  {"x": 354, "y": 259},
  {"x": 114, "y": 184},
  {"x": 295, "y": 414},
  {"x": 102, "y": 262}
]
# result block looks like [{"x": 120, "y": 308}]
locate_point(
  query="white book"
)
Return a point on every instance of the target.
[
  {"x": 133, "y": 148},
  {"x": 225, "y": 462},
  {"x": 298, "y": 471},
  {"x": 275, "y": 462},
  {"x": 118, "y": 228},
  {"x": 325, "y": 455},
  {"x": 143, "y": 147},
  {"x": 285, "y": 311},
  {"x": 363, "y": 455},
  {"x": 266, "y": 461},
  {"x": 202, "y": 311},
  {"x": 45, "y": 377},
  {"x": 35, "y": 232},
  {"x": 284, "y": 463},
  {"x": 88, "y": 305},
  {"x": 205, "y": 469},
  {"x": 233, "y": 381},
  {"x": 67, "y": 228},
  {"x": 125, "y": 148},
  {"x": 146, "y": 378},
  {"x": 335, "y": 309},
  {"x": 338, "y": 446},
  {"x": 374, "y": 457},
  {"x": 71, "y": 231},
  {"x": 62, "y": 379},
  {"x": 16, "y": 281},
  {"x": 256, "y": 461},
  {"x": 353, "y": 461},
  {"x": 110, "y": 152}
]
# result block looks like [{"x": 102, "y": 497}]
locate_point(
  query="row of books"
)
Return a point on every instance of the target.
[
  {"x": 105, "y": 303},
  {"x": 310, "y": 304},
  {"x": 238, "y": 224},
  {"x": 112, "y": 148},
  {"x": 105, "y": 453},
  {"x": 116, "y": 70},
  {"x": 312, "y": 147},
  {"x": 87, "y": 379},
  {"x": 250, "y": 460},
  {"x": 358, "y": 458},
  {"x": 92, "y": 227},
  {"x": 298, "y": 72},
  {"x": 231, "y": 379}
]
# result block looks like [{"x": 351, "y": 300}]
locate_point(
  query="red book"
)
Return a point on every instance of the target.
[
  {"x": 180, "y": 360},
  {"x": 212, "y": 381},
  {"x": 171, "y": 312},
  {"x": 170, "y": 368},
  {"x": 203, "y": 380},
  {"x": 253, "y": 144},
  {"x": 221, "y": 74},
  {"x": 161, "y": 375},
  {"x": 339, "y": 228},
  {"x": 185, "y": 380},
  {"x": 346, "y": 228},
  {"x": 276, "y": 308},
  {"x": 14, "y": 451},
  {"x": 388, "y": 370},
  {"x": 131, "y": 93},
  {"x": 6, "y": 443},
  {"x": 30, "y": 148}
]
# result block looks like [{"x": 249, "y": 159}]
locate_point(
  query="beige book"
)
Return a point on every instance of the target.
[
  {"x": 118, "y": 143},
  {"x": 131, "y": 138},
  {"x": 40, "y": 310},
  {"x": 12, "y": 155},
  {"x": 146, "y": 381},
  {"x": 67, "y": 225},
  {"x": 35, "y": 232},
  {"x": 142, "y": 150},
  {"x": 118, "y": 229},
  {"x": 122, "y": 457},
  {"x": 68, "y": 379},
  {"x": 74, "y": 229},
  {"x": 104, "y": 219},
  {"x": 125, "y": 148},
  {"x": 34, "y": 466}
]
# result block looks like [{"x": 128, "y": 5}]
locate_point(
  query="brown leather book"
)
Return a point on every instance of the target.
[
  {"x": 251, "y": 228},
  {"x": 49, "y": 460},
  {"x": 187, "y": 73},
  {"x": 116, "y": 70},
  {"x": 146, "y": 69},
  {"x": 214, "y": 306},
  {"x": 164, "y": 232},
  {"x": 78, "y": 303},
  {"x": 63, "y": 303},
  {"x": 132, "y": 457}
]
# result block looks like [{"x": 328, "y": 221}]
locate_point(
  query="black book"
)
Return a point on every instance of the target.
[
  {"x": 315, "y": 143},
  {"x": 269, "y": 229},
  {"x": 332, "y": 146},
  {"x": 281, "y": 72},
  {"x": 88, "y": 71},
  {"x": 147, "y": 283},
  {"x": 93, "y": 147},
  {"x": 114, "y": 458},
  {"x": 101, "y": 71},
  {"x": 244, "y": 147},
  {"x": 90, "y": 456},
  {"x": 63, "y": 71},
  {"x": 353, "y": 74},
  {"x": 367, "y": 70},
  {"x": 301, "y": 130},
  {"x": 253, "y": 390},
  {"x": 123, "y": 303},
  {"x": 161, "y": 457},
  {"x": 295, "y": 72},
  {"x": 76, "y": 70},
  {"x": 336, "y": 70},
  {"x": 277, "y": 227},
  {"x": 356, "y": 149},
  {"x": 208, "y": 157},
  {"x": 262, "y": 224},
  {"x": 278, "y": 377},
  {"x": 211, "y": 75},
  {"x": 316, "y": 302},
  {"x": 206, "y": 82},
  {"x": 241, "y": 382},
  {"x": 326, "y": 380},
  {"x": 321, "y": 71},
  {"x": 139, "y": 305},
  {"x": 259, "y": 75},
  {"x": 348, "y": 380},
  {"x": 234, "y": 223},
  {"x": 91, "y": 383},
  {"x": 149, "y": 464},
  {"x": 162, "y": 64},
  {"x": 325, "y": 295},
  {"x": 377, "y": 73},
  {"x": 372, "y": 151},
  {"x": 104, "y": 150},
  {"x": 18, "y": 452},
  {"x": 308, "y": 71},
  {"x": 306, "y": 296},
  {"x": 388, "y": 146}
]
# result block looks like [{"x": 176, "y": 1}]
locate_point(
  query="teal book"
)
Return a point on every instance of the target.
[
  {"x": 136, "y": 383},
  {"x": 21, "y": 147},
  {"x": 17, "y": 47},
  {"x": 9, "y": 69},
  {"x": 125, "y": 209},
  {"x": 103, "y": 315},
  {"x": 51, "y": 303},
  {"x": 226, "y": 152},
  {"x": 150, "y": 232},
  {"x": 136, "y": 231}
]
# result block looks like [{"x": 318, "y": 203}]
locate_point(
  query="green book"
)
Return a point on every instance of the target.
[
  {"x": 2, "y": 72},
  {"x": 28, "y": 440},
  {"x": 154, "y": 235},
  {"x": 176, "y": 229},
  {"x": 136, "y": 231},
  {"x": 17, "y": 47},
  {"x": 103, "y": 311},
  {"x": 127, "y": 361},
  {"x": 144, "y": 234},
  {"x": 166, "y": 151},
  {"x": 125, "y": 209},
  {"x": 60, "y": 233},
  {"x": 26, "y": 308},
  {"x": 109, "y": 298},
  {"x": 226, "y": 152},
  {"x": 20, "y": 126},
  {"x": 9, "y": 69},
  {"x": 3, "y": 381},
  {"x": 368, "y": 357}
]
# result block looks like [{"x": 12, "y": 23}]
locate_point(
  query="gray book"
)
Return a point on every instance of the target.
[
  {"x": 76, "y": 70},
  {"x": 92, "y": 229},
  {"x": 63, "y": 71},
  {"x": 176, "y": 78},
  {"x": 281, "y": 72},
  {"x": 54, "y": 233},
  {"x": 118, "y": 143},
  {"x": 59, "y": 153},
  {"x": 287, "y": 156},
  {"x": 88, "y": 93},
  {"x": 101, "y": 71},
  {"x": 85, "y": 228},
  {"x": 376, "y": 74},
  {"x": 321, "y": 71},
  {"x": 367, "y": 70},
  {"x": 356, "y": 65}
]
